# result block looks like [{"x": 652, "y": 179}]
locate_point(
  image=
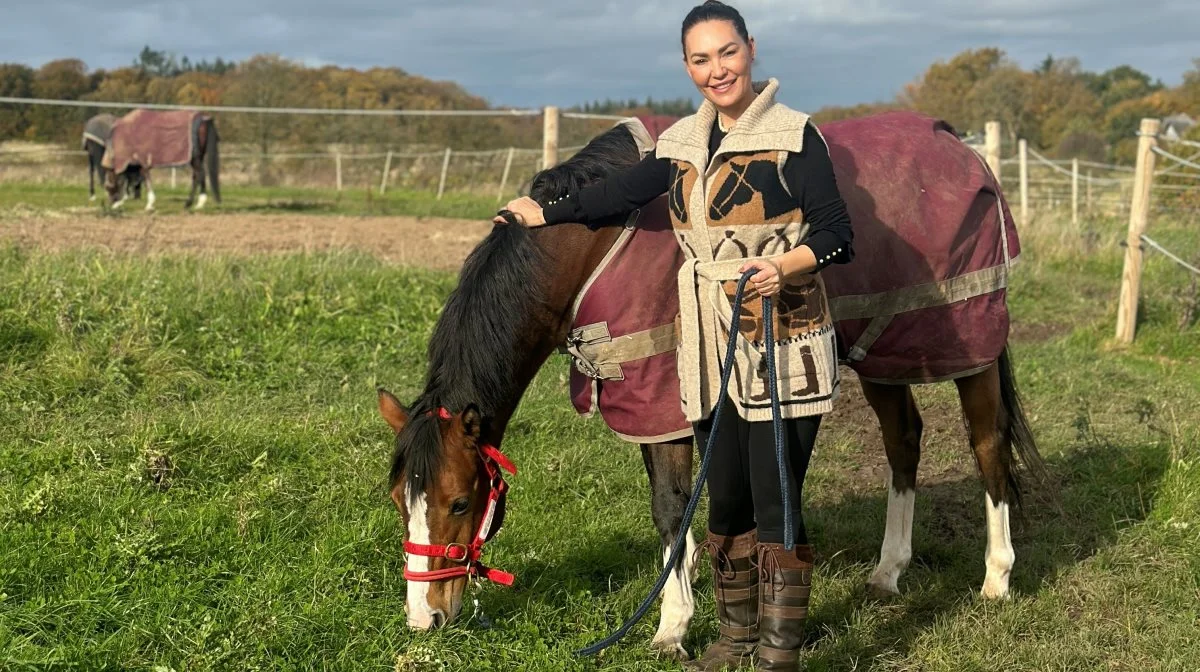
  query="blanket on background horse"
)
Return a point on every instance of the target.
[
  {"x": 924, "y": 299},
  {"x": 152, "y": 139}
]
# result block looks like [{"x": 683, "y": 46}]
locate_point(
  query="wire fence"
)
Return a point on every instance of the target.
[
  {"x": 499, "y": 173},
  {"x": 478, "y": 151}
]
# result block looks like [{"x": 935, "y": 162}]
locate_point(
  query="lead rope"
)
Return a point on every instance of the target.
[{"x": 690, "y": 511}]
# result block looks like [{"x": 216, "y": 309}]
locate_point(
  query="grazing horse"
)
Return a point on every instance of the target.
[
  {"x": 96, "y": 134},
  {"x": 924, "y": 301},
  {"x": 146, "y": 139}
]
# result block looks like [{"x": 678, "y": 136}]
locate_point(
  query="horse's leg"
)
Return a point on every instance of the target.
[
  {"x": 198, "y": 173},
  {"x": 91, "y": 175},
  {"x": 192, "y": 196},
  {"x": 983, "y": 408},
  {"x": 122, "y": 189},
  {"x": 149, "y": 190},
  {"x": 900, "y": 422},
  {"x": 669, "y": 466}
]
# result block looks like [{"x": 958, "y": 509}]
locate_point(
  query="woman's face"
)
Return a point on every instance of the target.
[{"x": 718, "y": 61}]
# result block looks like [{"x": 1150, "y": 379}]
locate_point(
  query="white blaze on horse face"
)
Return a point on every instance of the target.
[
  {"x": 897, "y": 540},
  {"x": 678, "y": 604},
  {"x": 1000, "y": 555},
  {"x": 420, "y": 615},
  {"x": 201, "y": 201}
]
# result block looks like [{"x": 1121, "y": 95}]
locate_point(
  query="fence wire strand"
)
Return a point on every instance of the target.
[{"x": 1146, "y": 239}]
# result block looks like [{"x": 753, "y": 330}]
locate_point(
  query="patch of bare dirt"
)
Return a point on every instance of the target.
[{"x": 430, "y": 242}]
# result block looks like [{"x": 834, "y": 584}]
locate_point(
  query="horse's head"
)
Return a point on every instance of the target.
[
  {"x": 113, "y": 185},
  {"x": 120, "y": 186},
  {"x": 447, "y": 485}
]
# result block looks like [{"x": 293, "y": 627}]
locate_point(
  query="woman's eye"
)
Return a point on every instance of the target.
[{"x": 459, "y": 507}]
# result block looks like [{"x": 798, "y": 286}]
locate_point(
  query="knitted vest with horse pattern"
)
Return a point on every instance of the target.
[{"x": 726, "y": 209}]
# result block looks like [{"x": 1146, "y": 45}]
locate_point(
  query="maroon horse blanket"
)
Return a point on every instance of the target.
[
  {"x": 924, "y": 299},
  {"x": 151, "y": 139},
  {"x": 623, "y": 335}
]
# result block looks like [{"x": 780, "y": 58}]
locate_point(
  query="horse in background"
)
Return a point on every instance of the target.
[
  {"x": 96, "y": 134},
  {"x": 146, "y": 139}
]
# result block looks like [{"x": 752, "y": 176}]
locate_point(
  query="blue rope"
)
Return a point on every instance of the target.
[
  {"x": 686, "y": 523},
  {"x": 777, "y": 420}
]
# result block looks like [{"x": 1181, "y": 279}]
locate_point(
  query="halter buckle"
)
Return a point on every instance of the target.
[{"x": 448, "y": 553}]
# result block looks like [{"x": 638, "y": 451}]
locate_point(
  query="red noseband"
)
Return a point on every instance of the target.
[{"x": 495, "y": 462}]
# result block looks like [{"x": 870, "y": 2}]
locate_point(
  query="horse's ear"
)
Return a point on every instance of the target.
[
  {"x": 472, "y": 421},
  {"x": 392, "y": 410}
]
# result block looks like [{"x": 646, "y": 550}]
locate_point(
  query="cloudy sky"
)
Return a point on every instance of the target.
[{"x": 537, "y": 52}]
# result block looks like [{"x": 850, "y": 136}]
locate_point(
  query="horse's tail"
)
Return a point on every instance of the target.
[
  {"x": 1015, "y": 426},
  {"x": 212, "y": 158}
]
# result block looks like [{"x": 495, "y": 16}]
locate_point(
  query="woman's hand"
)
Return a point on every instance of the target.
[
  {"x": 527, "y": 212},
  {"x": 768, "y": 280}
]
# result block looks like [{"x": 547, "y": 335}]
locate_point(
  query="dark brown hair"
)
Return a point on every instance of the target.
[{"x": 714, "y": 10}]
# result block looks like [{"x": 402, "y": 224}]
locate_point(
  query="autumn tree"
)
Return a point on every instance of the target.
[
  {"x": 15, "y": 81},
  {"x": 1187, "y": 97},
  {"x": 60, "y": 80},
  {"x": 945, "y": 88},
  {"x": 1003, "y": 95},
  {"x": 263, "y": 81},
  {"x": 1060, "y": 102}
]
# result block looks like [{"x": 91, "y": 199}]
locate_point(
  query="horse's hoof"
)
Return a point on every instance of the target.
[
  {"x": 672, "y": 650},
  {"x": 991, "y": 592},
  {"x": 878, "y": 593},
  {"x": 91, "y": 198}
]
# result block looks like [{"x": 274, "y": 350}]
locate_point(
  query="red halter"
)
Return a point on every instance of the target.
[{"x": 468, "y": 555}]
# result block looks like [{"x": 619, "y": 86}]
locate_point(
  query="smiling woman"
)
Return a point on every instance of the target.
[{"x": 750, "y": 185}]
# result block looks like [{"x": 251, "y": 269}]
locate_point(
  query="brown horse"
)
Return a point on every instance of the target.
[
  {"x": 146, "y": 139},
  {"x": 512, "y": 309}
]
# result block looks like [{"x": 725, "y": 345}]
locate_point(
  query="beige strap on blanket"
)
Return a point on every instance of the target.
[{"x": 597, "y": 355}]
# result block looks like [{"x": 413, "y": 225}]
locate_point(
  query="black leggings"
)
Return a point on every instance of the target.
[{"x": 743, "y": 477}]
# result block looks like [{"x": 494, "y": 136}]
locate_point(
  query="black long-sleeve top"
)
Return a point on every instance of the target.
[{"x": 809, "y": 176}]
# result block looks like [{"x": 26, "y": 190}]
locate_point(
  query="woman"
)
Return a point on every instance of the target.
[{"x": 751, "y": 186}]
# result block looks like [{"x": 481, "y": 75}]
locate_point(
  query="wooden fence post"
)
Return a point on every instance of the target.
[
  {"x": 1139, "y": 215},
  {"x": 504, "y": 178},
  {"x": 337, "y": 160},
  {"x": 1088, "y": 209},
  {"x": 992, "y": 147},
  {"x": 445, "y": 169},
  {"x": 549, "y": 137},
  {"x": 387, "y": 168},
  {"x": 1023, "y": 158},
  {"x": 1075, "y": 193}
]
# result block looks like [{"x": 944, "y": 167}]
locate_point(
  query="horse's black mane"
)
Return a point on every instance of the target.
[{"x": 473, "y": 353}]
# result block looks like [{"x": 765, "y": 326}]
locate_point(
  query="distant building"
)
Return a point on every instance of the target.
[{"x": 1176, "y": 126}]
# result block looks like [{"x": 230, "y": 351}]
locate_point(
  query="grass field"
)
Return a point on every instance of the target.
[
  {"x": 192, "y": 477},
  {"x": 22, "y": 197}
]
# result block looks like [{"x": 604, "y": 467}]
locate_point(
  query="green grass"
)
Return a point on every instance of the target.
[
  {"x": 192, "y": 478},
  {"x": 277, "y": 200}
]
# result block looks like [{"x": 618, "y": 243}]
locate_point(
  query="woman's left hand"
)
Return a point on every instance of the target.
[{"x": 769, "y": 278}]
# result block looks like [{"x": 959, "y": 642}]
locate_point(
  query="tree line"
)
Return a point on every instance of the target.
[{"x": 1059, "y": 107}]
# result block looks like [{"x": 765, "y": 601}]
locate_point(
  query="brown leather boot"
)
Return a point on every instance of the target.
[
  {"x": 735, "y": 579},
  {"x": 785, "y": 579}
]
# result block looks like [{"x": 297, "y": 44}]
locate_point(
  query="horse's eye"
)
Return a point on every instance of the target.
[{"x": 459, "y": 507}]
